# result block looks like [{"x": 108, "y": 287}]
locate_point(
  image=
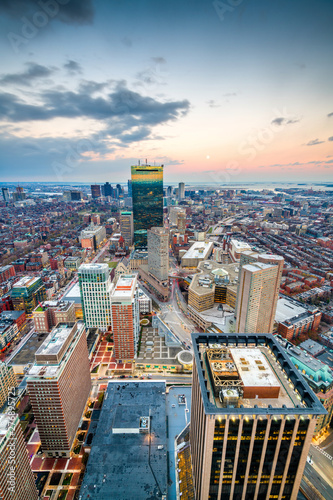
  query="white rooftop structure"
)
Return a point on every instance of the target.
[
  {"x": 199, "y": 250},
  {"x": 253, "y": 368},
  {"x": 26, "y": 281},
  {"x": 287, "y": 309},
  {"x": 125, "y": 287}
]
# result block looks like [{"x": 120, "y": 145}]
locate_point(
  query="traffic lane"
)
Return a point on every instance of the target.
[
  {"x": 318, "y": 482},
  {"x": 323, "y": 463}
]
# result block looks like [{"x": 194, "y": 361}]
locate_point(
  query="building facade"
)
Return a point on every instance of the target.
[
  {"x": 126, "y": 227},
  {"x": 252, "y": 419},
  {"x": 256, "y": 298},
  {"x": 7, "y": 382},
  {"x": 95, "y": 191},
  {"x": 96, "y": 290},
  {"x": 181, "y": 191},
  {"x": 27, "y": 293},
  {"x": 59, "y": 385},
  {"x": 16, "y": 477},
  {"x": 158, "y": 253},
  {"x": 125, "y": 318},
  {"x": 147, "y": 194},
  {"x": 48, "y": 314}
]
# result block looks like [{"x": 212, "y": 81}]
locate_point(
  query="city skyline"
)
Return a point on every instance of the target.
[{"x": 217, "y": 92}]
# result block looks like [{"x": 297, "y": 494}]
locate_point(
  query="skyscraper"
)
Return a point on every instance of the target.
[
  {"x": 256, "y": 298},
  {"x": 5, "y": 193},
  {"x": 107, "y": 189},
  {"x": 125, "y": 317},
  {"x": 250, "y": 257},
  {"x": 181, "y": 191},
  {"x": 158, "y": 253},
  {"x": 59, "y": 385},
  {"x": 16, "y": 477},
  {"x": 252, "y": 419},
  {"x": 7, "y": 382},
  {"x": 126, "y": 226},
  {"x": 129, "y": 188},
  {"x": 95, "y": 289},
  {"x": 147, "y": 194},
  {"x": 95, "y": 191}
]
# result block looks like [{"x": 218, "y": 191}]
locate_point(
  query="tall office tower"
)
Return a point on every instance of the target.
[
  {"x": 147, "y": 194},
  {"x": 250, "y": 257},
  {"x": 107, "y": 189},
  {"x": 125, "y": 317},
  {"x": 252, "y": 419},
  {"x": 7, "y": 382},
  {"x": 169, "y": 191},
  {"x": 181, "y": 222},
  {"x": 158, "y": 253},
  {"x": 95, "y": 191},
  {"x": 181, "y": 191},
  {"x": 173, "y": 214},
  {"x": 95, "y": 289},
  {"x": 126, "y": 227},
  {"x": 129, "y": 188},
  {"x": 119, "y": 190},
  {"x": 16, "y": 477},
  {"x": 59, "y": 385},
  {"x": 5, "y": 193},
  {"x": 256, "y": 298}
]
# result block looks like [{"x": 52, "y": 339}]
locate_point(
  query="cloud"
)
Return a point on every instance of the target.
[
  {"x": 213, "y": 104},
  {"x": 330, "y": 138},
  {"x": 127, "y": 116},
  {"x": 34, "y": 71},
  {"x": 158, "y": 60},
  {"x": 314, "y": 142},
  {"x": 230, "y": 94},
  {"x": 329, "y": 115},
  {"x": 283, "y": 121},
  {"x": 73, "y": 67},
  {"x": 73, "y": 12}
]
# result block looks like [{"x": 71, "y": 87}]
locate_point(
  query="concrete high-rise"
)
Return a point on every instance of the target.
[
  {"x": 126, "y": 227},
  {"x": 95, "y": 289},
  {"x": 147, "y": 195},
  {"x": 125, "y": 317},
  {"x": 16, "y": 477},
  {"x": 250, "y": 257},
  {"x": 257, "y": 296},
  {"x": 252, "y": 419},
  {"x": 181, "y": 191},
  {"x": 158, "y": 253},
  {"x": 7, "y": 382},
  {"x": 59, "y": 385},
  {"x": 5, "y": 193}
]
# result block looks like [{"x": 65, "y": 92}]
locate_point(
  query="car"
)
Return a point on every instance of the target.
[{"x": 187, "y": 410}]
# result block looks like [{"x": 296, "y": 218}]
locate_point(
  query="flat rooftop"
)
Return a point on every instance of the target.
[
  {"x": 26, "y": 281},
  {"x": 199, "y": 250},
  {"x": 240, "y": 244},
  {"x": 124, "y": 463},
  {"x": 125, "y": 287},
  {"x": 73, "y": 294},
  {"x": 287, "y": 309},
  {"x": 291, "y": 394}
]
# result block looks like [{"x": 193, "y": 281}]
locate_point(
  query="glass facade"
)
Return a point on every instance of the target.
[
  {"x": 147, "y": 195},
  {"x": 278, "y": 428}
]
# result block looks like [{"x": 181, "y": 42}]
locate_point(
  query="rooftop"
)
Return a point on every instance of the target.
[
  {"x": 288, "y": 309},
  {"x": 124, "y": 462},
  {"x": 125, "y": 287},
  {"x": 258, "y": 367},
  {"x": 26, "y": 281},
  {"x": 312, "y": 347},
  {"x": 199, "y": 250}
]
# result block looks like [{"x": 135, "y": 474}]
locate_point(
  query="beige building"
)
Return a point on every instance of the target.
[
  {"x": 7, "y": 382},
  {"x": 256, "y": 298},
  {"x": 16, "y": 477},
  {"x": 199, "y": 251},
  {"x": 158, "y": 253},
  {"x": 59, "y": 385},
  {"x": 127, "y": 227},
  {"x": 251, "y": 427}
]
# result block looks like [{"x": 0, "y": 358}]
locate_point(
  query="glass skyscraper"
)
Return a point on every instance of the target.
[{"x": 147, "y": 195}]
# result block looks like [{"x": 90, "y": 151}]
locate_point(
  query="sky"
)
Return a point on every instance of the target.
[{"x": 217, "y": 91}]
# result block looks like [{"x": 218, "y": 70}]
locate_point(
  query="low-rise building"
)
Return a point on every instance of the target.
[
  {"x": 49, "y": 313},
  {"x": 294, "y": 318},
  {"x": 199, "y": 251}
]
